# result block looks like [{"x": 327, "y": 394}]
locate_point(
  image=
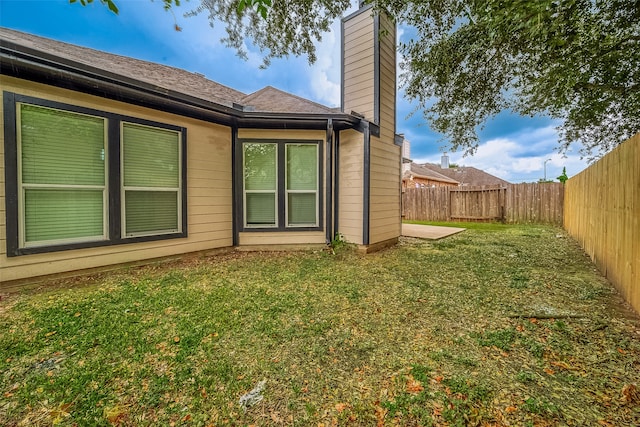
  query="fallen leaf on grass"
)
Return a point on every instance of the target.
[
  {"x": 562, "y": 365},
  {"x": 414, "y": 386},
  {"x": 62, "y": 411},
  {"x": 114, "y": 414},
  {"x": 630, "y": 394},
  {"x": 437, "y": 410},
  {"x": 381, "y": 413},
  {"x": 510, "y": 409},
  {"x": 341, "y": 407}
]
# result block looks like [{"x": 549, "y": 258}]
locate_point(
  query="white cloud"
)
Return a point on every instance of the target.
[
  {"x": 324, "y": 75},
  {"x": 519, "y": 157}
]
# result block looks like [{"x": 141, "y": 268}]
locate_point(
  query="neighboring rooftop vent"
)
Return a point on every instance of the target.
[{"x": 444, "y": 161}]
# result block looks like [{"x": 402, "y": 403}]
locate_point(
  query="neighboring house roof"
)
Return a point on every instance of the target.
[
  {"x": 467, "y": 175},
  {"x": 420, "y": 171},
  {"x": 167, "y": 78}
]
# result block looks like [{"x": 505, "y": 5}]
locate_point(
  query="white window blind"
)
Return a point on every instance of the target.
[
  {"x": 302, "y": 185},
  {"x": 151, "y": 196},
  {"x": 260, "y": 184},
  {"x": 62, "y": 176}
]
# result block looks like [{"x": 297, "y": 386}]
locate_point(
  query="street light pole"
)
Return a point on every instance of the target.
[{"x": 545, "y": 169}]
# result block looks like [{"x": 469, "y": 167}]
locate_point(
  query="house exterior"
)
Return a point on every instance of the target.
[
  {"x": 110, "y": 160},
  {"x": 417, "y": 176},
  {"x": 467, "y": 176}
]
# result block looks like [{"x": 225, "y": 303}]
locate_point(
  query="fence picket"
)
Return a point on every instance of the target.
[{"x": 515, "y": 203}]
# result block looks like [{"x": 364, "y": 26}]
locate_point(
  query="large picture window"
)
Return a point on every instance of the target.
[
  {"x": 280, "y": 183},
  {"x": 78, "y": 177}
]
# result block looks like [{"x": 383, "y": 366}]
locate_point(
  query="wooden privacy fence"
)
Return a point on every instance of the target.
[
  {"x": 515, "y": 203},
  {"x": 603, "y": 214}
]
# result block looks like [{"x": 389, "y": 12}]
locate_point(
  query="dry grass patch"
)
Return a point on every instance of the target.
[{"x": 501, "y": 326}]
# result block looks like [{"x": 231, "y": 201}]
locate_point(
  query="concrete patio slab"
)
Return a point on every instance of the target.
[{"x": 431, "y": 232}]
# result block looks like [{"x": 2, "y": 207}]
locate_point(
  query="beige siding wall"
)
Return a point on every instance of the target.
[
  {"x": 350, "y": 182},
  {"x": 282, "y": 238},
  {"x": 359, "y": 79},
  {"x": 208, "y": 202},
  {"x": 387, "y": 80},
  {"x": 386, "y": 174},
  {"x": 385, "y": 196},
  {"x": 288, "y": 237}
]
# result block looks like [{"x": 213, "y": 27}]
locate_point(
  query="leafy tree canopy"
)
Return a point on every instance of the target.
[
  {"x": 573, "y": 60},
  {"x": 563, "y": 176}
]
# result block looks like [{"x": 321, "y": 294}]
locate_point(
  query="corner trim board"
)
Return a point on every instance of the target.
[
  {"x": 366, "y": 190},
  {"x": 10, "y": 173}
]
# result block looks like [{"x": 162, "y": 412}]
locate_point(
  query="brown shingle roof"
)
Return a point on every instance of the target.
[
  {"x": 423, "y": 172},
  {"x": 196, "y": 85},
  {"x": 467, "y": 175},
  {"x": 270, "y": 99}
]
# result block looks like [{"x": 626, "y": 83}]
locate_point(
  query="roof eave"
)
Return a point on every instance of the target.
[{"x": 25, "y": 63}]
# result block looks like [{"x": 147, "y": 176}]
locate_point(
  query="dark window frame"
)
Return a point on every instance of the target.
[
  {"x": 114, "y": 211},
  {"x": 281, "y": 193}
]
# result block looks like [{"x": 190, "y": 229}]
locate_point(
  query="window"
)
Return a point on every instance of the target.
[
  {"x": 62, "y": 176},
  {"x": 280, "y": 182},
  {"x": 302, "y": 185},
  {"x": 83, "y": 178},
  {"x": 260, "y": 185},
  {"x": 150, "y": 183}
]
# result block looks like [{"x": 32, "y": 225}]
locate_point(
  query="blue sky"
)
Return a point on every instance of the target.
[{"x": 512, "y": 147}]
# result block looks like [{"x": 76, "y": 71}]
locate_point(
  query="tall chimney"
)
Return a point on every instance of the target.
[
  {"x": 444, "y": 161},
  {"x": 406, "y": 155},
  {"x": 406, "y": 148},
  {"x": 369, "y": 67}
]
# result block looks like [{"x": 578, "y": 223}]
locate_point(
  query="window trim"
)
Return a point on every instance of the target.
[
  {"x": 113, "y": 212},
  {"x": 281, "y": 191}
]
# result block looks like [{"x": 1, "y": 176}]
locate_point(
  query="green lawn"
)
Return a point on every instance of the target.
[{"x": 507, "y": 326}]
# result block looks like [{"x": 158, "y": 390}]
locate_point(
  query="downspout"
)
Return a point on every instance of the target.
[
  {"x": 329, "y": 183},
  {"x": 336, "y": 183},
  {"x": 236, "y": 184},
  {"x": 366, "y": 184}
]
